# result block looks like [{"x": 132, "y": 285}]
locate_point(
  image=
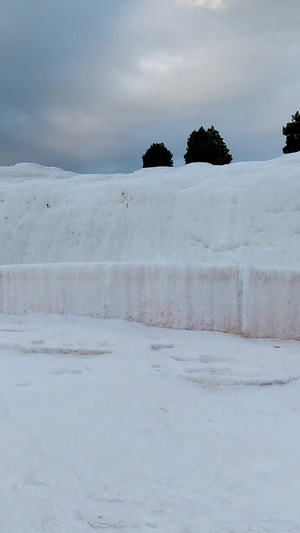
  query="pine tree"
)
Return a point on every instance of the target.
[
  {"x": 292, "y": 133},
  {"x": 207, "y": 146},
  {"x": 157, "y": 156}
]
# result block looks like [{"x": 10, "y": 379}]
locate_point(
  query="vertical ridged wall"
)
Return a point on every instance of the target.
[{"x": 241, "y": 300}]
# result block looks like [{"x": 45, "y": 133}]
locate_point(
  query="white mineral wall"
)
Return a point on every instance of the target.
[
  {"x": 243, "y": 213},
  {"x": 270, "y": 302},
  {"x": 197, "y": 247},
  {"x": 166, "y": 295},
  {"x": 233, "y": 299}
]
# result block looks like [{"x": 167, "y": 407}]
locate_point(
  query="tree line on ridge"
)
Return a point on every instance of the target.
[{"x": 207, "y": 146}]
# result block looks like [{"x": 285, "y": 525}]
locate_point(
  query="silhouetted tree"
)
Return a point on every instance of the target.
[
  {"x": 292, "y": 133},
  {"x": 207, "y": 146},
  {"x": 157, "y": 156}
]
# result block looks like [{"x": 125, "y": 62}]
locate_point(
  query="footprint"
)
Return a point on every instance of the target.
[
  {"x": 14, "y": 330},
  {"x": 157, "y": 347},
  {"x": 64, "y": 351}
]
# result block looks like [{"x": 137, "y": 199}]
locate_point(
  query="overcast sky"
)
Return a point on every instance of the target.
[{"x": 89, "y": 85}]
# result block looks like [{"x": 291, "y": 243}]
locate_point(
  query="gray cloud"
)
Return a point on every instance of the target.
[{"x": 90, "y": 85}]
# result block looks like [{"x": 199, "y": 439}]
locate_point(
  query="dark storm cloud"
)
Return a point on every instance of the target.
[
  {"x": 41, "y": 45},
  {"x": 90, "y": 85}
]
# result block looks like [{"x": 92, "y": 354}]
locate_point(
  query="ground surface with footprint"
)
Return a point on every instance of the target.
[{"x": 109, "y": 425}]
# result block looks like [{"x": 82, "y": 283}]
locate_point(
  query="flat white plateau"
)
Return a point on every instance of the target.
[{"x": 109, "y": 425}]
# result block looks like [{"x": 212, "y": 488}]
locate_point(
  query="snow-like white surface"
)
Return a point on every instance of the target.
[
  {"x": 196, "y": 247},
  {"x": 110, "y": 425},
  {"x": 177, "y": 295},
  {"x": 240, "y": 213},
  {"x": 242, "y": 300}
]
